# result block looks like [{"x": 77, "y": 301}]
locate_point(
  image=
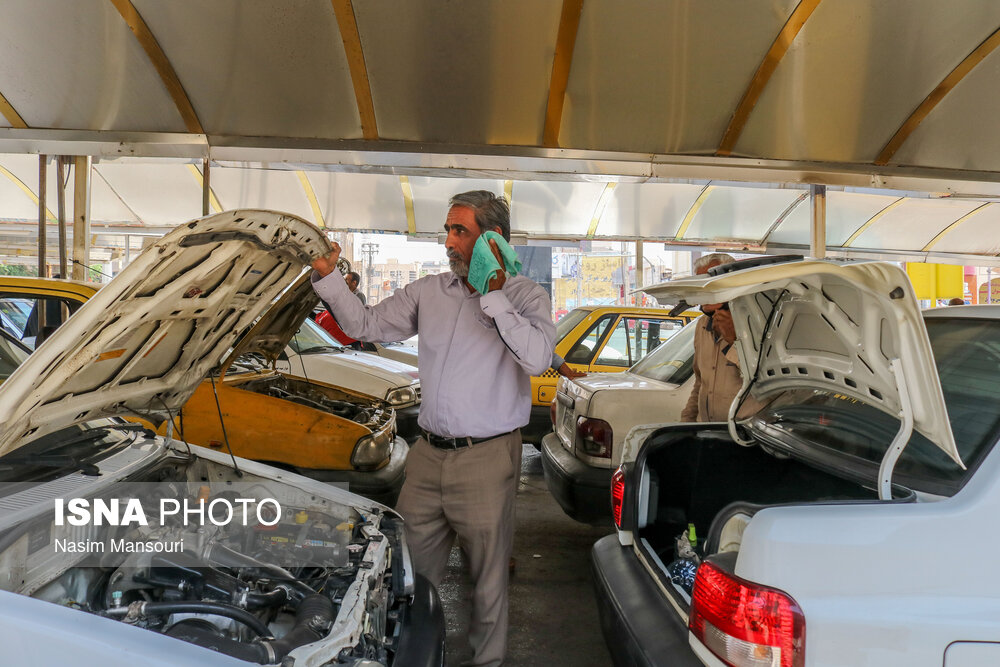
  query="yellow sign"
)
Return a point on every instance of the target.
[
  {"x": 936, "y": 281},
  {"x": 994, "y": 292}
]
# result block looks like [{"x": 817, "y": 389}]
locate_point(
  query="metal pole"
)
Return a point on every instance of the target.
[
  {"x": 639, "y": 270},
  {"x": 81, "y": 217},
  {"x": 817, "y": 237},
  {"x": 43, "y": 182},
  {"x": 206, "y": 188},
  {"x": 61, "y": 201},
  {"x": 579, "y": 276}
]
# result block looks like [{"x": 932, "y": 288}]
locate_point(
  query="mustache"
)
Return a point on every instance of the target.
[{"x": 454, "y": 256}]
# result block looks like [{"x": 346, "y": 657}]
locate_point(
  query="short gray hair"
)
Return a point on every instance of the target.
[
  {"x": 712, "y": 259},
  {"x": 491, "y": 211}
]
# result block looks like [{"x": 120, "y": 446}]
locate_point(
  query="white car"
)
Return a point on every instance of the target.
[
  {"x": 849, "y": 520},
  {"x": 594, "y": 413},
  {"x": 116, "y": 547},
  {"x": 405, "y": 352},
  {"x": 314, "y": 354}
]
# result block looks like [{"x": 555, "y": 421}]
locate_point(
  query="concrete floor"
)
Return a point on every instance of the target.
[{"x": 553, "y": 613}]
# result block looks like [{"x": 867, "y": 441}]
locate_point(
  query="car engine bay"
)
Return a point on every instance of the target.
[{"x": 303, "y": 578}]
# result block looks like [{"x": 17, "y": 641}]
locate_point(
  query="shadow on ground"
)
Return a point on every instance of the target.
[{"x": 553, "y": 613}]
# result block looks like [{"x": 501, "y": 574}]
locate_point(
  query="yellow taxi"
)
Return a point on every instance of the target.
[
  {"x": 32, "y": 308},
  {"x": 599, "y": 339}
]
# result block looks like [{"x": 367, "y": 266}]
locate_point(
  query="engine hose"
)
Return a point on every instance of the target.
[
  {"x": 226, "y": 557},
  {"x": 269, "y": 599},
  {"x": 313, "y": 616},
  {"x": 199, "y": 607}
]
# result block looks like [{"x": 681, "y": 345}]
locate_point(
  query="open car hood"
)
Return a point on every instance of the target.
[
  {"x": 835, "y": 326},
  {"x": 145, "y": 341},
  {"x": 272, "y": 332}
]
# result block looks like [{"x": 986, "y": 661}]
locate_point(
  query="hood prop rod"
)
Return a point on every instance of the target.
[
  {"x": 902, "y": 436},
  {"x": 225, "y": 436}
]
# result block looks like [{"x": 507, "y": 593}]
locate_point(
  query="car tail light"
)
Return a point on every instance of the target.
[
  {"x": 617, "y": 496},
  {"x": 552, "y": 412},
  {"x": 595, "y": 437},
  {"x": 746, "y": 624}
]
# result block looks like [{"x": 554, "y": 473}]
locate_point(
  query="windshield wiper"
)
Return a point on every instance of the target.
[
  {"x": 55, "y": 457},
  {"x": 61, "y": 461}
]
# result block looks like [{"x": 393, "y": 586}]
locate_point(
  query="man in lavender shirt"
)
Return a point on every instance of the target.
[{"x": 477, "y": 355}]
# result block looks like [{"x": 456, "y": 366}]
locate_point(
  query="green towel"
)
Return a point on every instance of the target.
[{"x": 484, "y": 264}]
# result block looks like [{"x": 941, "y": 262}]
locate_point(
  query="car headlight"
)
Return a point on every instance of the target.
[
  {"x": 401, "y": 396},
  {"x": 373, "y": 450}
]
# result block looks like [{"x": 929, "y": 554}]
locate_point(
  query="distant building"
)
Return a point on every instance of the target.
[{"x": 387, "y": 277}]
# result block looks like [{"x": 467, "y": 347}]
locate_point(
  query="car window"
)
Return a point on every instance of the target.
[
  {"x": 672, "y": 361},
  {"x": 12, "y": 355},
  {"x": 311, "y": 335},
  {"x": 32, "y": 318},
  {"x": 14, "y": 314},
  {"x": 634, "y": 337},
  {"x": 617, "y": 351},
  {"x": 583, "y": 350},
  {"x": 967, "y": 355}
]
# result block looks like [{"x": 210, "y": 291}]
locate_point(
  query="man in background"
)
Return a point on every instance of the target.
[
  {"x": 354, "y": 284},
  {"x": 717, "y": 377}
]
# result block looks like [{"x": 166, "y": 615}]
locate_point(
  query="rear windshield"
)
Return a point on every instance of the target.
[
  {"x": 672, "y": 361},
  {"x": 967, "y": 354}
]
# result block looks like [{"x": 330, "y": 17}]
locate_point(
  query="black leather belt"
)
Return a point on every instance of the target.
[{"x": 442, "y": 442}]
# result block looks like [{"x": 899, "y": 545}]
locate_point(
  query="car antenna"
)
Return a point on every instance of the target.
[{"x": 222, "y": 421}]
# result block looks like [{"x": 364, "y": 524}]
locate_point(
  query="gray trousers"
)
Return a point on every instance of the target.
[{"x": 468, "y": 493}]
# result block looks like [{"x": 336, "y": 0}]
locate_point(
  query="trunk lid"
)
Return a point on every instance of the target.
[{"x": 854, "y": 329}]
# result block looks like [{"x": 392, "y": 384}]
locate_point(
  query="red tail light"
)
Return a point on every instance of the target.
[
  {"x": 595, "y": 437},
  {"x": 617, "y": 496},
  {"x": 745, "y": 624}
]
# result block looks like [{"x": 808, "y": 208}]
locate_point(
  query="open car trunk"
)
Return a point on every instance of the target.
[{"x": 701, "y": 478}]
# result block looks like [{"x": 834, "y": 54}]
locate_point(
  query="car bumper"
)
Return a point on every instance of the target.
[
  {"x": 539, "y": 425},
  {"x": 640, "y": 626},
  {"x": 421, "y": 640},
  {"x": 406, "y": 423},
  {"x": 380, "y": 485},
  {"x": 584, "y": 492}
]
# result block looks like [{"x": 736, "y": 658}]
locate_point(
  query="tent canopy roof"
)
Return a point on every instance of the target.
[{"x": 678, "y": 121}]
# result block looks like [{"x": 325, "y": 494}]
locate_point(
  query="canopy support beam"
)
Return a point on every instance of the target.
[
  {"x": 817, "y": 228},
  {"x": 562, "y": 59},
  {"x": 206, "y": 187},
  {"x": 61, "y": 200},
  {"x": 639, "y": 269},
  {"x": 81, "y": 217},
  {"x": 43, "y": 163}
]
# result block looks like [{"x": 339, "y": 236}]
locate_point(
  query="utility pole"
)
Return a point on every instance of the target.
[{"x": 368, "y": 251}]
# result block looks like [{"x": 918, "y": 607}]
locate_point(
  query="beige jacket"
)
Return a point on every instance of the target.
[{"x": 717, "y": 379}]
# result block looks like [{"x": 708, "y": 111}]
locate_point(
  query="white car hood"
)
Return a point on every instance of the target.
[
  {"x": 348, "y": 370},
  {"x": 837, "y": 327},
  {"x": 143, "y": 343},
  {"x": 388, "y": 369}
]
